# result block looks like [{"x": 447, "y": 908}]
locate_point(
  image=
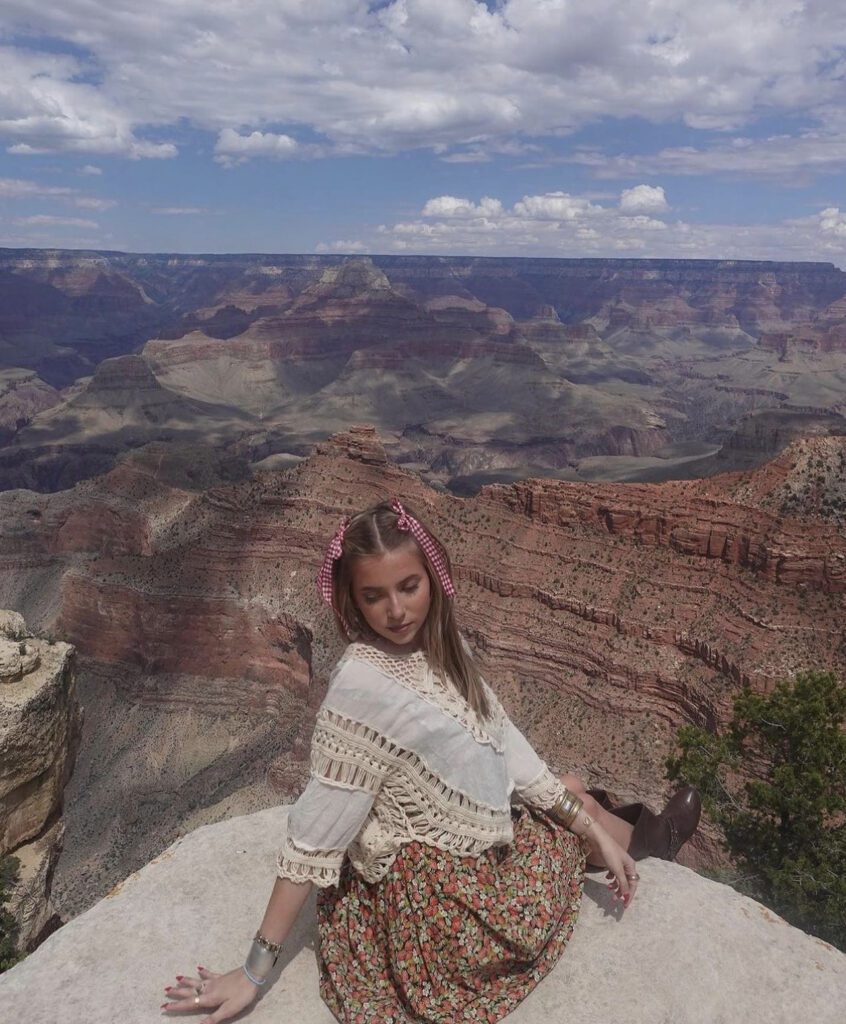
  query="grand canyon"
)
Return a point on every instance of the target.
[
  {"x": 474, "y": 370},
  {"x": 639, "y": 468}
]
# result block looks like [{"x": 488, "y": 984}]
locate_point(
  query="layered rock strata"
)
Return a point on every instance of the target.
[
  {"x": 40, "y": 732},
  {"x": 605, "y": 615},
  {"x": 508, "y": 368}
]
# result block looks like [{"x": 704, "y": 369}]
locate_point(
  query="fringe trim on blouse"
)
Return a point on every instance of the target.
[
  {"x": 544, "y": 791},
  {"x": 412, "y": 803},
  {"x": 322, "y": 867}
]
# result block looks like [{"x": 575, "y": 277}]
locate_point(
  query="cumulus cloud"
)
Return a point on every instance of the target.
[
  {"x": 90, "y": 169},
  {"x": 555, "y": 206},
  {"x": 463, "y": 77},
  {"x": 643, "y": 199},
  {"x": 45, "y": 108},
  {"x": 451, "y": 206},
  {"x": 232, "y": 148},
  {"x": 586, "y": 228},
  {"x": 833, "y": 222}
]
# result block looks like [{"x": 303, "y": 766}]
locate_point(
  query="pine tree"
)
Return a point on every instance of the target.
[{"x": 785, "y": 826}]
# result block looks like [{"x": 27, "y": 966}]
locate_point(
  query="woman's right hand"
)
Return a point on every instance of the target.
[
  {"x": 621, "y": 865},
  {"x": 225, "y": 994}
]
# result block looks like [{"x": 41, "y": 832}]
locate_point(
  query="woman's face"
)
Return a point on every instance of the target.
[{"x": 392, "y": 590}]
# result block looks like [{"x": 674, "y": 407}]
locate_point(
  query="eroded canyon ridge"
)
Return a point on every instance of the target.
[
  {"x": 177, "y": 446},
  {"x": 604, "y": 614},
  {"x": 474, "y": 370}
]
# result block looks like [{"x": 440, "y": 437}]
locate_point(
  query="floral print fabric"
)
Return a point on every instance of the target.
[{"x": 444, "y": 938}]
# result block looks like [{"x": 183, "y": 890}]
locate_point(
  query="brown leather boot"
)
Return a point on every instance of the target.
[{"x": 662, "y": 835}]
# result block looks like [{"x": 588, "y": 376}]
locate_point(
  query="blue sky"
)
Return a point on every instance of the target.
[{"x": 523, "y": 127}]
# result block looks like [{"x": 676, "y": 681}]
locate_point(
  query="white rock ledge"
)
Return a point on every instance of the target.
[{"x": 688, "y": 951}]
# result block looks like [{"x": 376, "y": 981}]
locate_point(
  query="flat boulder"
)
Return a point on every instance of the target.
[{"x": 688, "y": 950}]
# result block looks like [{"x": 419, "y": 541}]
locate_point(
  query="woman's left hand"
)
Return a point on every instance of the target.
[
  {"x": 622, "y": 869},
  {"x": 629, "y": 871}
]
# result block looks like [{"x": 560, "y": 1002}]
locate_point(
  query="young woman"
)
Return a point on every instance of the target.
[{"x": 449, "y": 860}]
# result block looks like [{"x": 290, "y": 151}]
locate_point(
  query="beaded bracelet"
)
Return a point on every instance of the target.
[{"x": 255, "y": 981}]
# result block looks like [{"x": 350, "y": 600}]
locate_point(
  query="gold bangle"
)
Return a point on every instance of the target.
[
  {"x": 272, "y": 947},
  {"x": 568, "y": 809}
]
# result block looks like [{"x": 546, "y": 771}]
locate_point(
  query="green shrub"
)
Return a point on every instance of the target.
[{"x": 786, "y": 826}]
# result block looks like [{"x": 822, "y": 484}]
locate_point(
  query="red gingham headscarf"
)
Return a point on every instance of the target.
[
  {"x": 405, "y": 521},
  {"x": 430, "y": 548}
]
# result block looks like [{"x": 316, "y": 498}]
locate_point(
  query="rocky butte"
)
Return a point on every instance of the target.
[
  {"x": 475, "y": 370},
  {"x": 40, "y": 733},
  {"x": 605, "y": 615}
]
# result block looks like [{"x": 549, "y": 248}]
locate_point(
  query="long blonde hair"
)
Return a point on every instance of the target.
[{"x": 374, "y": 531}]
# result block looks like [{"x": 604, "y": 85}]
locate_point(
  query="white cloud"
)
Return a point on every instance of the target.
[
  {"x": 833, "y": 222},
  {"x": 341, "y": 245},
  {"x": 558, "y": 206},
  {"x": 179, "y": 211},
  {"x": 48, "y": 220},
  {"x": 462, "y": 77},
  {"x": 18, "y": 188},
  {"x": 232, "y": 148},
  {"x": 450, "y": 206},
  {"x": 45, "y": 108},
  {"x": 794, "y": 159},
  {"x": 93, "y": 203},
  {"x": 560, "y": 224},
  {"x": 90, "y": 169},
  {"x": 643, "y": 199}
]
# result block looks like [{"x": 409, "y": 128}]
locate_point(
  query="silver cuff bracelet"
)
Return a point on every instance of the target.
[{"x": 260, "y": 961}]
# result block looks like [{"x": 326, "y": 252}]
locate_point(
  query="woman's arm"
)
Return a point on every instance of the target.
[
  {"x": 283, "y": 908},
  {"x": 228, "y": 994}
]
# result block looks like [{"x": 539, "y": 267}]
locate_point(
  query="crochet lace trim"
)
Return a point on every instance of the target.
[
  {"x": 544, "y": 791},
  {"x": 414, "y": 672},
  {"x": 295, "y": 862},
  {"x": 345, "y": 752}
]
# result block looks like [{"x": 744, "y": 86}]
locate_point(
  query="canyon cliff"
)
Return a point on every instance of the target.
[
  {"x": 605, "y": 616},
  {"x": 40, "y": 734}
]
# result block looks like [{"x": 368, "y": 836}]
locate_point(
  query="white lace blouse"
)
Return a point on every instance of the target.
[{"x": 397, "y": 756}]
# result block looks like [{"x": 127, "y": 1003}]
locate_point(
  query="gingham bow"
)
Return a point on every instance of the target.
[
  {"x": 430, "y": 548},
  {"x": 334, "y": 551}
]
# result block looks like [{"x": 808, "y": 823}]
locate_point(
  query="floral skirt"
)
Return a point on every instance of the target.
[{"x": 442, "y": 938}]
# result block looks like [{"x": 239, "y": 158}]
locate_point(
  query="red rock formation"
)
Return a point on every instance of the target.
[
  {"x": 605, "y": 615},
  {"x": 186, "y": 633}
]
